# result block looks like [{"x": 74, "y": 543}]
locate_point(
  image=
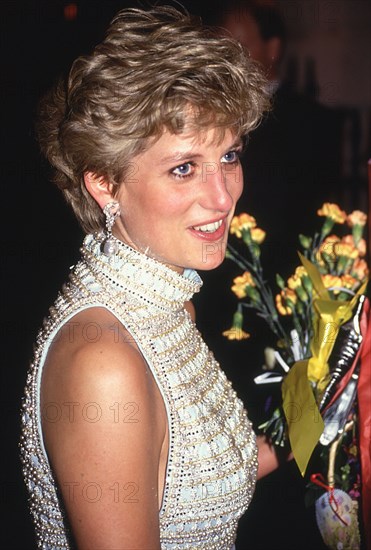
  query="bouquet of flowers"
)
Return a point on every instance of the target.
[{"x": 320, "y": 318}]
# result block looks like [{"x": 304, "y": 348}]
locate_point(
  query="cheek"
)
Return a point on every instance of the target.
[
  {"x": 175, "y": 203},
  {"x": 154, "y": 211},
  {"x": 235, "y": 183},
  {"x": 240, "y": 184}
]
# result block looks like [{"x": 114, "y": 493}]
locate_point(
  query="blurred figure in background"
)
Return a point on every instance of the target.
[{"x": 261, "y": 31}]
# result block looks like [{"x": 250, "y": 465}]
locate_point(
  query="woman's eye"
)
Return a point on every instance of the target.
[
  {"x": 231, "y": 157},
  {"x": 183, "y": 170}
]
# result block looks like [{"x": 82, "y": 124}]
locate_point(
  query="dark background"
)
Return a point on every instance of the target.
[{"x": 40, "y": 240}]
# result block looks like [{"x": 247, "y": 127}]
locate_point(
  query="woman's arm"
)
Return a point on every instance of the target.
[
  {"x": 269, "y": 456},
  {"x": 105, "y": 449},
  {"x": 188, "y": 306}
]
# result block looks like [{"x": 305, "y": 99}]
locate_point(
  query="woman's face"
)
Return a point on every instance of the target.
[{"x": 179, "y": 200}]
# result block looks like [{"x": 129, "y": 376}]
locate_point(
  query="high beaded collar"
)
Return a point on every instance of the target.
[{"x": 151, "y": 281}]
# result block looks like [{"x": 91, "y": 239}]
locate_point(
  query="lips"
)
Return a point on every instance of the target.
[{"x": 212, "y": 231}]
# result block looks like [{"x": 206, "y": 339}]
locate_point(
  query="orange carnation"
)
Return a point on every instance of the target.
[
  {"x": 332, "y": 282},
  {"x": 240, "y": 284},
  {"x": 236, "y": 333},
  {"x": 281, "y": 301},
  {"x": 360, "y": 269},
  {"x": 357, "y": 218},
  {"x": 332, "y": 211},
  {"x": 241, "y": 222},
  {"x": 257, "y": 235},
  {"x": 361, "y": 245},
  {"x": 346, "y": 250},
  {"x": 347, "y": 281}
]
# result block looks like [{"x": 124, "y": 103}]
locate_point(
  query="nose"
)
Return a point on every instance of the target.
[{"x": 218, "y": 185}]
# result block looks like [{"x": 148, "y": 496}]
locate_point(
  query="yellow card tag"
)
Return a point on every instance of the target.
[{"x": 304, "y": 422}]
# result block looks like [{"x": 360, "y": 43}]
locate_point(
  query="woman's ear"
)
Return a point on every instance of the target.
[{"x": 99, "y": 188}]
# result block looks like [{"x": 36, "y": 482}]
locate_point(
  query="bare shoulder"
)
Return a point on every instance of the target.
[
  {"x": 104, "y": 423},
  {"x": 95, "y": 368},
  {"x": 91, "y": 349}
]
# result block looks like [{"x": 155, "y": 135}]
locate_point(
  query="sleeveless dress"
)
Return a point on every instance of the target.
[{"x": 212, "y": 459}]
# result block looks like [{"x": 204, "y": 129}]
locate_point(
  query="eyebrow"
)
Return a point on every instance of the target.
[{"x": 181, "y": 156}]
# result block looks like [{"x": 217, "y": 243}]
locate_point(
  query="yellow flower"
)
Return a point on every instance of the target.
[
  {"x": 240, "y": 284},
  {"x": 302, "y": 274},
  {"x": 357, "y": 218},
  {"x": 257, "y": 235},
  {"x": 282, "y": 310},
  {"x": 290, "y": 295},
  {"x": 294, "y": 282},
  {"x": 332, "y": 281},
  {"x": 328, "y": 244},
  {"x": 300, "y": 271},
  {"x": 360, "y": 269},
  {"x": 283, "y": 307},
  {"x": 362, "y": 248},
  {"x": 236, "y": 333},
  {"x": 361, "y": 245},
  {"x": 346, "y": 250},
  {"x": 347, "y": 281},
  {"x": 332, "y": 211},
  {"x": 243, "y": 221}
]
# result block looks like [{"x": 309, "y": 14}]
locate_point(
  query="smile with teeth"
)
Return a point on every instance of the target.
[{"x": 209, "y": 228}]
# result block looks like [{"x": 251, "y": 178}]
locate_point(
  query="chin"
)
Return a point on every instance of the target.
[
  {"x": 213, "y": 255},
  {"x": 211, "y": 263}
]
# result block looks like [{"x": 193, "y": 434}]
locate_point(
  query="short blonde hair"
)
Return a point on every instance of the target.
[{"x": 150, "y": 68}]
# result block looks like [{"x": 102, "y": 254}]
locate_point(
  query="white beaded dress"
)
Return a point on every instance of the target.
[{"x": 212, "y": 459}]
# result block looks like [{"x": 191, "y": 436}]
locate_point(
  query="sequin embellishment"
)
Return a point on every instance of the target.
[{"x": 212, "y": 460}]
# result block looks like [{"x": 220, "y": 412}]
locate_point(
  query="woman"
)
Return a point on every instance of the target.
[{"x": 132, "y": 436}]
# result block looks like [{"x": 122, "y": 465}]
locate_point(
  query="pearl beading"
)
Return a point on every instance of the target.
[{"x": 212, "y": 460}]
